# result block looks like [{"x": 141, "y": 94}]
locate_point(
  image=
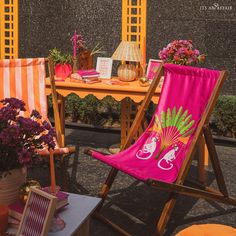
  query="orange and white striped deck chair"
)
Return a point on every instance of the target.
[{"x": 25, "y": 79}]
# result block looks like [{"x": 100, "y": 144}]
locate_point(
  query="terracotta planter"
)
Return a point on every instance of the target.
[
  {"x": 9, "y": 186},
  {"x": 85, "y": 60}
]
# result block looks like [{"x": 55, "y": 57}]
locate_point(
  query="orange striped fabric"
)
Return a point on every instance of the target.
[{"x": 25, "y": 80}]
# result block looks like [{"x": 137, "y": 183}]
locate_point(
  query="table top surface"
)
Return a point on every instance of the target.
[
  {"x": 103, "y": 88},
  {"x": 104, "y": 85},
  {"x": 75, "y": 214}
]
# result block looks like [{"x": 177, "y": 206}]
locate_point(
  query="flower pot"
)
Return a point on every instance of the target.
[
  {"x": 62, "y": 71},
  {"x": 85, "y": 60},
  {"x": 9, "y": 186}
]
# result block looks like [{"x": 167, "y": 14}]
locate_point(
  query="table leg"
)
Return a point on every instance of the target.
[
  {"x": 203, "y": 160},
  {"x": 125, "y": 118},
  {"x": 125, "y": 124},
  {"x": 128, "y": 113},
  {"x": 84, "y": 229}
]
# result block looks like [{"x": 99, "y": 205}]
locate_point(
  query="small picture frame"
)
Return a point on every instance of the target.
[
  {"x": 152, "y": 68},
  {"x": 38, "y": 212},
  {"x": 104, "y": 67}
]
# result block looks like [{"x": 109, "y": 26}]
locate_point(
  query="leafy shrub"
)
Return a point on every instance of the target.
[
  {"x": 50, "y": 106},
  {"x": 84, "y": 110},
  {"x": 73, "y": 107},
  {"x": 88, "y": 110},
  {"x": 225, "y": 116},
  {"x": 109, "y": 109}
]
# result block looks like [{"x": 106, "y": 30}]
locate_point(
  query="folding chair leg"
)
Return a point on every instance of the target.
[
  {"x": 201, "y": 161},
  {"x": 111, "y": 224},
  {"x": 65, "y": 185},
  {"x": 215, "y": 161},
  {"x": 106, "y": 186},
  {"x": 61, "y": 103},
  {"x": 165, "y": 215},
  {"x": 108, "y": 183}
]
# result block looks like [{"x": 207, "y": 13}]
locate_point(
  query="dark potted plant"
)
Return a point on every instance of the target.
[{"x": 20, "y": 138}]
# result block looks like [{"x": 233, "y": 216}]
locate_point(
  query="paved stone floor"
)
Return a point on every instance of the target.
[{"x": 135, "y": 206}]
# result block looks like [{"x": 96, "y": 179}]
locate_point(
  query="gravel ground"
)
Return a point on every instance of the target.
[{"x": 135, "y": 206}]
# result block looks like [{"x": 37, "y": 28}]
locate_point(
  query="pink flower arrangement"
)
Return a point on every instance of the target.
[
  {"x": 77, "y": 40},
  {"x": 181, "y": 52}
]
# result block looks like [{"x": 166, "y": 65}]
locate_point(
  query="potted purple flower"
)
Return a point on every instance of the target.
[
  {"x": 20, "y": 137},
  {"x": 181, "y": 52}
]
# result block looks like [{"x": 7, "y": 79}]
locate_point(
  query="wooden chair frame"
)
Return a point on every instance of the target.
[
  {"x": 179, "y": 187},
  {"x": 58, "y": 127}
]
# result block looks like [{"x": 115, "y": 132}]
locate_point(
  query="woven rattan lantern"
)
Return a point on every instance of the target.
[{"x": 127, "y": 52}]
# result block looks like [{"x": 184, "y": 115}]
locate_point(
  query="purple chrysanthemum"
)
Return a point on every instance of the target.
[
  {"x": 14, "y": 103},
  {"x": 9, "y": 135},
  {"x": 47, "y": 140},
  {"x": 46, "y": 125},
  {"x": 7, "y": 114},
  {"x": 21, "y": 136},
  {"x": 35, "y": 114}
]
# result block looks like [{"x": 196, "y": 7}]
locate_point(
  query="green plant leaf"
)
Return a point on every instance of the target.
[
  {"x": 163, "y": 119},
  {"x": 185, "y": 122},
  {"x": 187, "y": 127},
  {"x": 168, "y": 117},
  {"x": 182, "y": 117},
  {"x": 58, "y": 57},
  {"x": 177, "y": 116},
  {"x": 173, "y": 116}
]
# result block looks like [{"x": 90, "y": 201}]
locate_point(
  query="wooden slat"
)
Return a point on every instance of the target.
[
  {"x": 166, "y": 213},
  {"x": 201, "y": 160},
  {"x": 215, "y": 161},
  {"x": 55, "y": 104},
  {"x": 193, "y": 192},
  {"x": 111, "y": 224}
]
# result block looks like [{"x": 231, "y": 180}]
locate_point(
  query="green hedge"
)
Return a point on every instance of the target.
[
  {"x": 106, "y": 112},
  {"x": 90, "y": 110},
  {"x": 224, "y": 116}
]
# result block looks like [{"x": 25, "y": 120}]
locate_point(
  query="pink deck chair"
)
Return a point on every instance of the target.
[
  {"x": 25, "y": 79},
  {"x": 162, "y": 155}
]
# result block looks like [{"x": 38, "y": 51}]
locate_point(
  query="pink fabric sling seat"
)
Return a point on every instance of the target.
[{"x": 159, "y": 152}]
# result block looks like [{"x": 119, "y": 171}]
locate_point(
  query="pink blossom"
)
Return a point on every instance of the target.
[{"x": 181, "y": 52}]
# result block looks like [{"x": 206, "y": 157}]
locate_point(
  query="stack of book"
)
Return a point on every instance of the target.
[
  {"x": 16, "y": 209},
  {"x": 89, "y": 76}
]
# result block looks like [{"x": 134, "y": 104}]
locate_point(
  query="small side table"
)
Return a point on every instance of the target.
[{"x": 76, "y": 215}]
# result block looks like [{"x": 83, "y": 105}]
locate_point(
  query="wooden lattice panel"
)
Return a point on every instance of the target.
[
  {"x": 133, "y": 29},
  {"x": 8, "y": 29},
  {"x": 128, "y": 111},
  {"x": 134, "y": 21}
]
